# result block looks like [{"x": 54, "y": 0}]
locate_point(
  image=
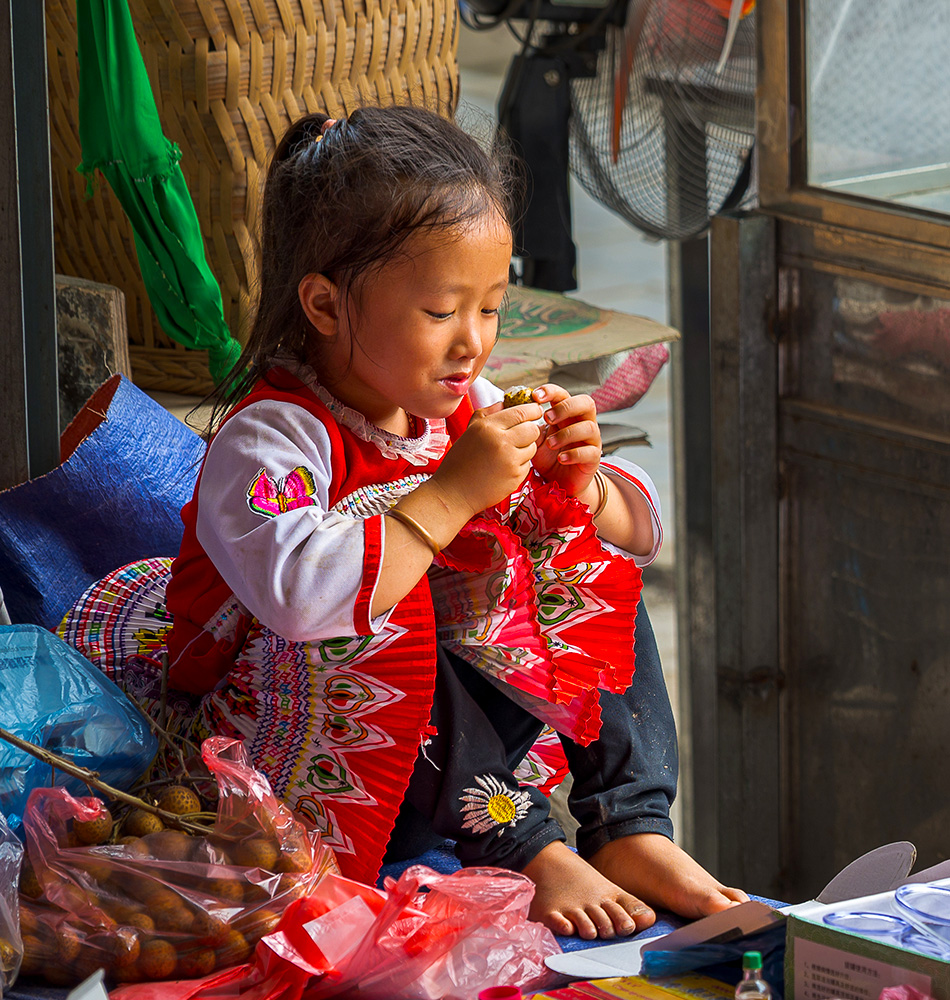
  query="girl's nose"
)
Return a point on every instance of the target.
[{"x": 468, "y": 342}]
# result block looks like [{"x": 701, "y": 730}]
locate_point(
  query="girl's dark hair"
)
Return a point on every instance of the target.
[{"x": 347, "y": 202}]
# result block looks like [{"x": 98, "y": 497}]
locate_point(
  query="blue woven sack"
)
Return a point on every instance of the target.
[
  {"x": 128, "y": 467},
  {"x": 54, "y": 697}
]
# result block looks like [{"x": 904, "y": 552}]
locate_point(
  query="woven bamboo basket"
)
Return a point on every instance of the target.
[{"x": 228, "y": 77}]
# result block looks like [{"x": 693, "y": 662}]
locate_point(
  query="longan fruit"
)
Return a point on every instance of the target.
[
  {"x": 255, "y": 852},
  {"x": 294, "y": 859},
  {"x": 210, "y": 927},
  {"x": 68, "y": 944},
  {"x": 7, "y": 955},
  {"x": 29, "y": 921},
  {"x": 257, "y": 923},
  {"x": 126, "y": 947},
  {"x": 227, "y": 890},
  {"x": 133, "y": 847},
  {"x": 34, "y": 955},
  {"x": 94, "y": 831},
  {"x": 179, "y": 800},
  {"x": 157, "y": 896},
  {"x": 123, "y": 910},
  {"x": 142, "y": 922},
  {"x": 256, "y": 895},
  {"x": 196, "y": 963},
  {"x": 29, "y": 883},
  {"x": 175, "y": 917},
  {"x": 169, "y": 845},
  {"x": 157, "y": 959},
  {"x": 290, "y": 887},
  {"x": 140, "y": 822},
  {"x": 234, "y": 950},
  {"x": 128, "y": 973},
  {"x": 71, "y": 898}
]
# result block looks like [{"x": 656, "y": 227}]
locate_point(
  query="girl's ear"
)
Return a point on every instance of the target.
[{"x": 320, "y": 299}]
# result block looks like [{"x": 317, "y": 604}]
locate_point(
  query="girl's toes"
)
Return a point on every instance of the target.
[
  {"x": 621, "y": 921},
  {"x": 585, "y": 927},
  {"x": 603, "y": 921},
  {"x": 559, "y": 924}
]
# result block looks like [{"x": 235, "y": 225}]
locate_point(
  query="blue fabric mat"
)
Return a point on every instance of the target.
[{"x": 443, "y": 860}]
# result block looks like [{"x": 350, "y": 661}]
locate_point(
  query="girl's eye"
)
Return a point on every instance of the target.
[
  {"x": 491, "y": 312},
  {"x": 437, "y": 315}
]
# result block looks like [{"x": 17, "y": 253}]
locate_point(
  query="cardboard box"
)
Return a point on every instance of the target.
[
  {"x": 690, "y": 987},
  {"x": 823, "y": 961}
]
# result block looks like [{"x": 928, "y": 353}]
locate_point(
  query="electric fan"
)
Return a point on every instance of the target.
[{"x": 650, "y": 103}]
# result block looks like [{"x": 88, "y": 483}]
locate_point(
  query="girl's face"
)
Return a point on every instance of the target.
[{"x": 422, "y": 327}]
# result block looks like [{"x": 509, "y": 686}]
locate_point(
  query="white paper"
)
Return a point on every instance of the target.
[{"x": 822, "y": 972}]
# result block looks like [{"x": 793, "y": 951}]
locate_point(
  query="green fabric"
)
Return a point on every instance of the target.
[{"x": 122, "y": 137}]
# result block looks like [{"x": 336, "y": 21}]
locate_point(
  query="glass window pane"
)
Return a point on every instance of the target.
[
  {"x": 877, "y": 118},
  {"x": 864, "y": 349}
]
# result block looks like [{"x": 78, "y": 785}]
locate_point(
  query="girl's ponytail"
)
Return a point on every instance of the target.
[{"x": 298, "y": 137}]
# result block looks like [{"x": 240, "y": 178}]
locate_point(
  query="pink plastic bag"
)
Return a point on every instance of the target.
[{"x": 426, "y": 937}]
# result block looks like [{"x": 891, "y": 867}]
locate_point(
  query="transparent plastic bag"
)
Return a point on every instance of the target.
[
  {"x": 167, "y": 904},
  {"x": 426, "y": 937},
  {"x": 54, "y": 697},
  {"x": 11, "y": 945}
]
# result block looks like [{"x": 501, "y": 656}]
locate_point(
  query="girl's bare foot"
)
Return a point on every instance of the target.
[
  {"x": 664, "y": 875},
  {"x": 573, "y": 898}
]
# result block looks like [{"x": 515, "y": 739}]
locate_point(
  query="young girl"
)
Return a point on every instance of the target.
[{"x": 362, "y": 448}]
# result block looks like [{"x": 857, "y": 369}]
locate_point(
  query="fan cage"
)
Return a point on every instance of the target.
[{"x": 679, "y": 150}]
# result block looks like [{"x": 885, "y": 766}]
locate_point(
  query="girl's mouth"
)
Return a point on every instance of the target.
[{"x": 457, "y": 384}]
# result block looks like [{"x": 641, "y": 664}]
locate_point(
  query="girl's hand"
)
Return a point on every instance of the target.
[
  {"x": 491, "y": 459},
  {"x": 570, "y": 449}
]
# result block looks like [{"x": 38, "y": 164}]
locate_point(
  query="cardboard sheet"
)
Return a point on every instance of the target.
[{"x": 542, "y": 330}]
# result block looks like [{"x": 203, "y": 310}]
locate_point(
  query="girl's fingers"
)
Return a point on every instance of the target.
[
  {"x": 587, "y": 455},
  {"x": 550, "y": 393},
  {"x": 520, "y": 414},
  {"x": 571, "y": 409},
  {"x": 583, "y": 432}
]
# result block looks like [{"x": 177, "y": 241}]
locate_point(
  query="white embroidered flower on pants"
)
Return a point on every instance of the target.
[{"x": 492, "y": 804}]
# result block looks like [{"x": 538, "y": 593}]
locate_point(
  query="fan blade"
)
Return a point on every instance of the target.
[
  {"x": 633, "y": 30},
  {"x": 735, "y": 16}
]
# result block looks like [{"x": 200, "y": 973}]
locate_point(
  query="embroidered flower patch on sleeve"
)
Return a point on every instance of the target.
[{"x": 269, "y": 497}]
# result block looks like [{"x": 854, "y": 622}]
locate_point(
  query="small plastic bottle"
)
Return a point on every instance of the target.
[{"x": 752, "y": 984}]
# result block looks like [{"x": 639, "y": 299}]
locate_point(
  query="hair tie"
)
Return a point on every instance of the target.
[{"x": 323, "y": 129}]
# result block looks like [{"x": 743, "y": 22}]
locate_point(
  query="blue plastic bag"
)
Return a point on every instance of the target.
[{"x": 54, "y": 697}]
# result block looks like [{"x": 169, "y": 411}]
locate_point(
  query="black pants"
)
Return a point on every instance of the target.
[{"x": 463, "y": 788}]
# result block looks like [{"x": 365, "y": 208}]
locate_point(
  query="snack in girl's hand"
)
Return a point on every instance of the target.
[{"x": 517, "y": 395}]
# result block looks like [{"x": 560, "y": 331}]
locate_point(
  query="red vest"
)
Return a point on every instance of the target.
[{"x": 196, "y": 591}]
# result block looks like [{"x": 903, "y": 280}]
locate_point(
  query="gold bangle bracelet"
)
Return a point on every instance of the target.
[
  {"x": 601, "y": 480},
  {"x": 414, "y": 526}
]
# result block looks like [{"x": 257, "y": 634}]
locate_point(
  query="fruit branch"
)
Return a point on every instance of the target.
[{"x": 92, "y": 778}]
